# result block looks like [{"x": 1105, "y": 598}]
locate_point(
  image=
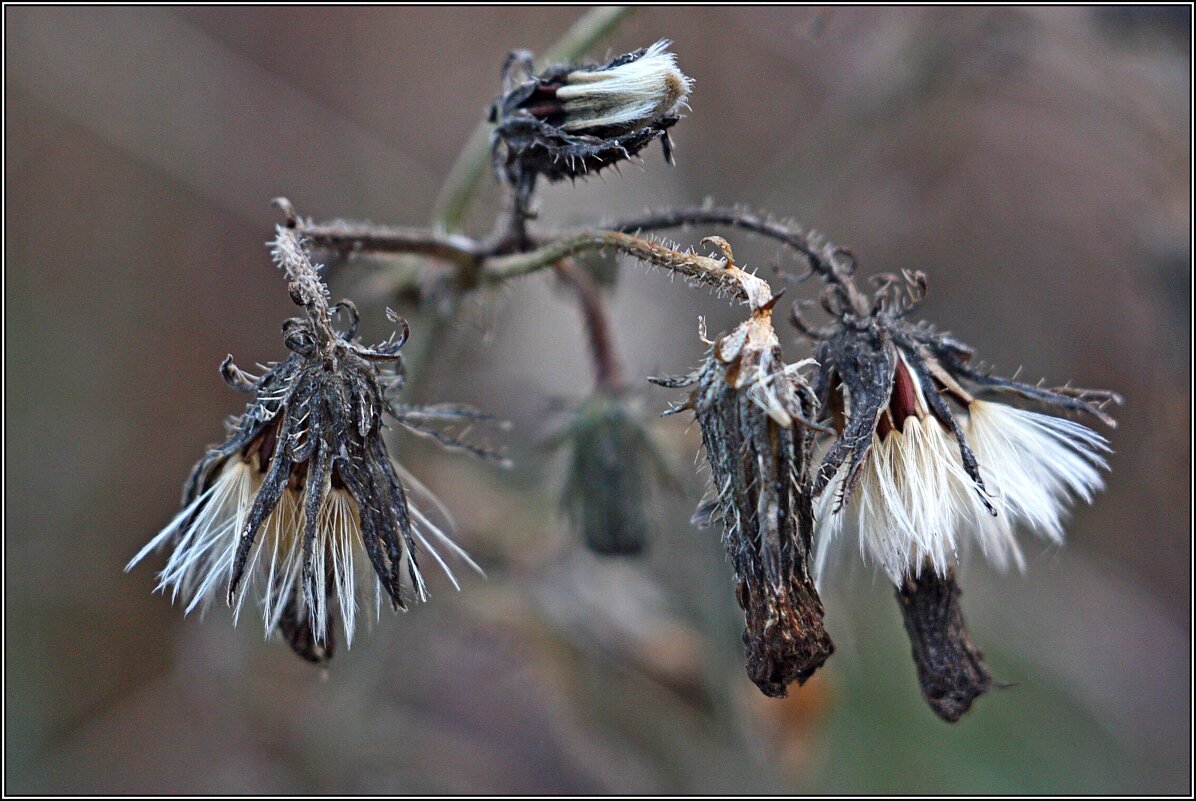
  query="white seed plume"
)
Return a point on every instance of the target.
[
  {"x": 205, "y": 535},
  {"x": 632, "y": 94},
  {"x": 909, "y": 504},
  {"x": 1034, "y": 465},
  {"x": 914, "y": 503}
]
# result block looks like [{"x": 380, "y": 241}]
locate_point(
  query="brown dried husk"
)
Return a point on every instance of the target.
[{"x": 759, "y": 453}]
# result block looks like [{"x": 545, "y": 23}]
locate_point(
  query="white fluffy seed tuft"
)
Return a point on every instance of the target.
[
  {"x": 1035, "y": 465},
  {"x": 205, "y": 535},
  {"x": 631, "y": 94},
  {"x": 915, "y": 505}
]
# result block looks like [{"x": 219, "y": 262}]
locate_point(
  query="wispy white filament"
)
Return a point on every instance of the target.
[
  {"x": 206, "y": 532},
  {"x": 915, "y": 504},
  {"x": 911, "y": 498},
  {"x": 1034, "y": 465},
  {"x": 634, "y": 93}
]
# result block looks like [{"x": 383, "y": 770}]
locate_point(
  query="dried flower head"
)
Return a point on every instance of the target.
[
  {"x": 303, "y": 498},
  {"x": 613, "y": 467},
  {"x": 570, "y": 121},
  {"x": 921, "y": 461},
  {"x": 755, "y": 412}
]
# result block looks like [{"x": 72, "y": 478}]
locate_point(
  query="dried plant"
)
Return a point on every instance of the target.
[
  {"x": 303, "y": 492},
  {"x": 889, "y": 429},
  {"x": 755, "y": 414},
  {"x": 573, "y": 120}
]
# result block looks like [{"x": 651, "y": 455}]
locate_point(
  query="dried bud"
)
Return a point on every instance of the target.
[
  {"x": 570, "y": 121},
  {"x": 613, "y": 465},
  {"x": 303, "y": 491},
  {"x": 754, "y": 411}
]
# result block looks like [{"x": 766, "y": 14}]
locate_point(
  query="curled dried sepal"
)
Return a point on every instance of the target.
[
  {"x": 755, "y": 414},
  {"x": 614, "y": 467},
  {"x": 951, "y": 671},
  {"x": 570, "y": 121}
]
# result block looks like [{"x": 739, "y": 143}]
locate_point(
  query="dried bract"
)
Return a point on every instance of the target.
[
  {"x": 755, "y": 414},
  {"x": 303, "y": 495},
  {"x": 951, "y": 671}
]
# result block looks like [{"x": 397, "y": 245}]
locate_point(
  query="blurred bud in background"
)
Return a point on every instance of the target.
[{"x": 613, "y": 469}]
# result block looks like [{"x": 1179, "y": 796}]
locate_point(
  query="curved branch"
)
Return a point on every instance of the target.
[
  {"x": 834, "y": 265},
  {"x": 720, "y": 275},
  {"x": 346, "y": 237}
]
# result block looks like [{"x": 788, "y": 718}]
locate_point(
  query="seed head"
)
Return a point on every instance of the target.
[
  {"x": 303, "y": 494},
  {"x": 921, "y": 461},
  {"x": 923, "y": 464},
  {"x": 570, "y": 121}
]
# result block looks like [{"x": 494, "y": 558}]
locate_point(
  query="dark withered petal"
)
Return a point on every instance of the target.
[{"x": 951, "y": 671}]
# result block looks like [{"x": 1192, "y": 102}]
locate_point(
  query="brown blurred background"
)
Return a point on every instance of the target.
[{"x": 1034, "y": 162}]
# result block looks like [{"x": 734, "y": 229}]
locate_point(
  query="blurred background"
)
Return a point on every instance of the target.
[{"x": 1035, "y": 163}]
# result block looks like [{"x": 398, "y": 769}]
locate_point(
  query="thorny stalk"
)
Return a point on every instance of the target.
[
  {"x": 347, "y": 239},
  {"x": 718, "y": 274},
  {"x": 489, "y": 260},
  {"x": 834, "y": 265},
  {"x": 491, "y": 265}
]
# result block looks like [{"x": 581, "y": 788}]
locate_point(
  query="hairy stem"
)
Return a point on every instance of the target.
[
  {"x": 718, "y": 274},
  {"x": 345, "y": 237},
  {"x": 832, "y": 264}
]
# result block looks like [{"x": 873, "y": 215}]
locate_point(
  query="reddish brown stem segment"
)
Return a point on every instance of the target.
[{"x": 608, "y": 371}]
